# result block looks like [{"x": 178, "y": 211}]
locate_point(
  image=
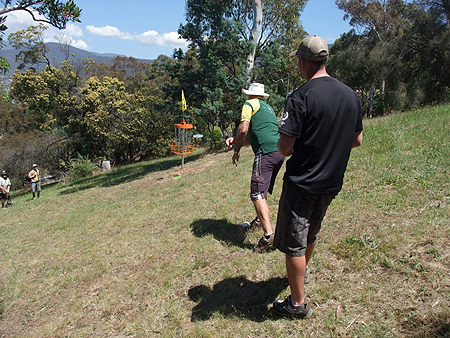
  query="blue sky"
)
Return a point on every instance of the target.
[{"x": 147, "y": 28}]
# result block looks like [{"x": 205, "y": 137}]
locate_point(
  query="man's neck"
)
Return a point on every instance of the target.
[{"x": 321, "y": 72}]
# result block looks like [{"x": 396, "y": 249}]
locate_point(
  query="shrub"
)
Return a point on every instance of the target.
[
  {"x": 216, "y": 140},
  {"x": 82, "y": 167}
]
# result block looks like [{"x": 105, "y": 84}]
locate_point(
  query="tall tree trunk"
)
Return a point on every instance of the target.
[{"x": 254, "y": 36}]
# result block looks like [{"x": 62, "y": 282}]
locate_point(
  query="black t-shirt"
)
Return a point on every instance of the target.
[{"x": 323, "y": 115}]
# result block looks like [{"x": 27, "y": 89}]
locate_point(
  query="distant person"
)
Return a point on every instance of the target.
[
  {"x": 5, "y": 186},
  {"x": 322, "y": 122},
  {"x": 35, "y": 177},
  {"x": 259, "y": 128}
]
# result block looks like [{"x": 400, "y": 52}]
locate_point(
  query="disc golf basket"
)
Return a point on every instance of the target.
[{"x": 182, "y": 144}]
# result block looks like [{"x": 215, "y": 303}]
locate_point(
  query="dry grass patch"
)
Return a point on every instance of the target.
[{"x": 134, "y": 252}]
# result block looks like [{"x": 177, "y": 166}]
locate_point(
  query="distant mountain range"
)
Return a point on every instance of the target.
[{"x": 56, "y": 57}]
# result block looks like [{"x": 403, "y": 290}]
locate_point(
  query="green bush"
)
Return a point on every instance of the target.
[
  {"x": 216, "y": 140},
  {"x": 82, "y": 167}
]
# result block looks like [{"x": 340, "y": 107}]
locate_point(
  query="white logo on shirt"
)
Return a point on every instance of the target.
[{"x": 284, "y": 118}]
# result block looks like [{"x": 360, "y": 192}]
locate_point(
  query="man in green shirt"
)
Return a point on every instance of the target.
[{"x": 259, "y": 128}]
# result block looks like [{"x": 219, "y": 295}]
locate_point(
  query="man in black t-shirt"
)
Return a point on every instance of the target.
[{"x": 322, "y": 122}]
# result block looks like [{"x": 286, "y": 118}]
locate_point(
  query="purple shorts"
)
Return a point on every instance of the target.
[{"x": 264, "y": 173}]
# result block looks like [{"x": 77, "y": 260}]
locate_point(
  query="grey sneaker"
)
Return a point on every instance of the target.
[
  {"x": 287, "y": 308},
  {"x": 264, "y": 244}
]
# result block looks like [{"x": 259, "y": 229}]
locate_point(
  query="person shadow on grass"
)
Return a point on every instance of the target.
[
  {"x": 223, "y": 231},
  {"x": 236, "y": 296}
]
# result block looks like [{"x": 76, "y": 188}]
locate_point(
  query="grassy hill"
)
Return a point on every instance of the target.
[{"x": 134, "y": 252}]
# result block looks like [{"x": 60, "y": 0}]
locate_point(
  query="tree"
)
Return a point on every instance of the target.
[
  {"x": 224, "y": 43},
  {"x": 402, "y": 53},
  {"x": 53, "y": 12},
  {"x": 122, "y": 126},
  {"x": 50, "y": 96},
  {"x": 383, "y": 24},
  {"x": 254, "y": 36},
  {"x": 440, "y": 9},
  {"x": 427, "y": 67},
  {"x": 350, "y": 63},
  {"x": 31, "y": 46}
]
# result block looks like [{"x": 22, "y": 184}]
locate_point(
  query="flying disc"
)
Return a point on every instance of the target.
[
  {"x": 197, "y": 136},
  {"x": 245, "y": 224}
]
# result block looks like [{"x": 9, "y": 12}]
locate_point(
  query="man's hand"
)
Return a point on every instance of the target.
[
  {"x": 229, "y": 142},
  {"x": 235, "y": 158}
]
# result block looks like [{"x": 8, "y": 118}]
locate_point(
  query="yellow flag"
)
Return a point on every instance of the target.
[{"x": 183, "y": 101}]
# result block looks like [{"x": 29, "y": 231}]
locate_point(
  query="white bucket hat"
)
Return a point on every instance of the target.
[{"x": 256, "y": 89}]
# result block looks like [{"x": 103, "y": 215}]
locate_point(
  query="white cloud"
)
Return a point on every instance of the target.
[
  {"x": 173, "y": 39},
  {"x": 109, "y": 31},
  {"x": 81, "y": 44},
  {"x": 22, "y": 20},
  {"x": 148, "y": 38},
  {"x": 153, "y": 38},
  {"x": 19, "y": 20},
  {"x": 66, "y": 36},
  {"x": 73, "y": 30}
]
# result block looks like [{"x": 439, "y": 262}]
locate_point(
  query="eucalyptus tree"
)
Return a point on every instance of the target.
[
  {"x": 429, "y": 38},
  {"x": 403, "y": 46},
  {"x": 440, "y": 9},
  {"x": 384, "y": 25},
  {"x": 226, "y": 38}
]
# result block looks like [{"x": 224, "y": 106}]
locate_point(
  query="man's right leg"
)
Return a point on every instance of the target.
[
  {"x": 263, "y": 213},
  {"x": 296, "y": 269},
  {"x": 266, "y": 241},
  {"x": 309, "y": 252}
]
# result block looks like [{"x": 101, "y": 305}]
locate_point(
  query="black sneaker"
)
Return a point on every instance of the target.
[
  {"x": 255, "y": 222},
  {"x": 265, "y": 244},
  {"x": 287, "y": 308}
]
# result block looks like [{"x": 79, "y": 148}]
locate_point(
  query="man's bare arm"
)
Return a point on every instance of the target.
[{"x": 286, "y": 144}]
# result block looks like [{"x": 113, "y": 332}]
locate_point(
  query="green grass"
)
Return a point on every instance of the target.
[{"x": 133, "y": 252}]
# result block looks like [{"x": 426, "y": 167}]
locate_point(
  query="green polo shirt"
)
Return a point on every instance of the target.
[{"x": 263, "y": 130}]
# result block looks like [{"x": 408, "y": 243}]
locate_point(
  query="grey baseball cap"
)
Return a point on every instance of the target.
[{"x": 312, "y": 48}]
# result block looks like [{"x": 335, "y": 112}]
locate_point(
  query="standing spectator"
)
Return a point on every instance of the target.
[
  {"x": 322, "y": 122},
  {"x": 35, "y": 177},
  {"x": 5, "y": 186},
  {"x": 259, "y": 128}
]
